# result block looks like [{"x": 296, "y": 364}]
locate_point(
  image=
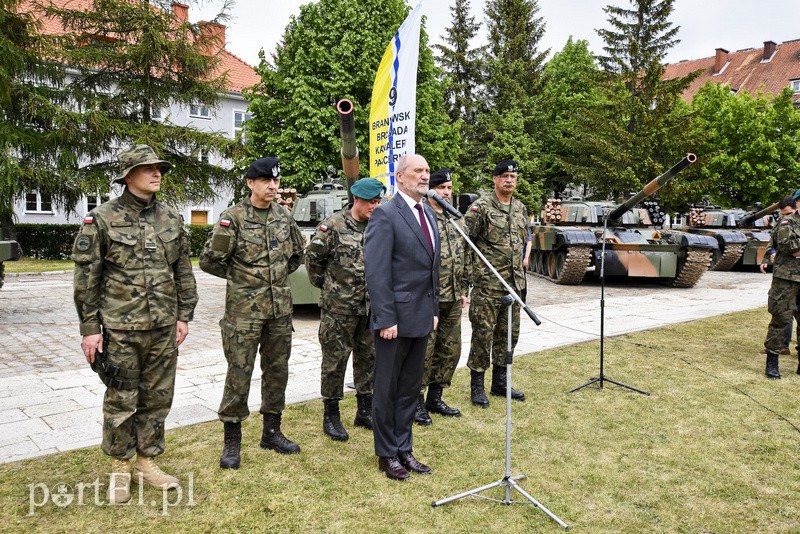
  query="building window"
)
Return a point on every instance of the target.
[
  {"x": 199, "y": 217},
  {"x": 92, "y": 201},
  {"x": 199, "y": 112},
  {"x": 156, "y": 114},
  {"x": 795, "y": 85},
  {"x": 202, "y": 156},
  {"x": 239, "y": 118},
  {"x": 38, "y": 203}
]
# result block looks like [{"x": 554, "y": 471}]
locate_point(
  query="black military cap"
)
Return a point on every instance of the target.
[
  {"x": 441, "y": 176},
  {"x": 507, "y": 165},
  {"x": 264, "y": 168}
]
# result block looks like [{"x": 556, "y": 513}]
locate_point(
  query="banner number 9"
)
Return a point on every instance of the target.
[{"x": 392, "y": 96}]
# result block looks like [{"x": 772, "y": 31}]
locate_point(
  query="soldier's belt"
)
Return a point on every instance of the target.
[{"x": 114, "y": 376}]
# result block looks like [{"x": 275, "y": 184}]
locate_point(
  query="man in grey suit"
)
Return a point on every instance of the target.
[{"x": 401, "y": 261}]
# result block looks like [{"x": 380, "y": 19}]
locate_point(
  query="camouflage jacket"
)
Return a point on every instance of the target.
[
  {"x": 453, "y": 279},
  {"x": 256, "y": 258},
  {"x": 335, "y": 264},
  {"x": 786, "y": 237},
  {"x": 499, "y": 232},
  {"x": 132, "y": 268}
]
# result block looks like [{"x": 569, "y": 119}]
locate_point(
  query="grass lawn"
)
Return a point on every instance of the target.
[
  {"x": 714, "y": 448},
  {"x": 31, "y": 265}
]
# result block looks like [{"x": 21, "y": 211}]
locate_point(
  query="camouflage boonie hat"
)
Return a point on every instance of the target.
[{"x": 139, "y": 155}]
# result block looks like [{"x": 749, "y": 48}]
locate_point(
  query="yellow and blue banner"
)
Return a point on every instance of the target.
[{"x": 393, "y": 111}]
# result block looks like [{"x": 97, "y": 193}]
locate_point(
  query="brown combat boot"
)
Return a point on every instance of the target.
[
  {"x": 146, "y": 470},
  {"x": 119, "y": 483}
]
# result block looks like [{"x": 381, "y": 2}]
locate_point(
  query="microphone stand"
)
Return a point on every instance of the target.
[
  {"x": 602, "y": 378},
  {"x": 507, "y": 481}
]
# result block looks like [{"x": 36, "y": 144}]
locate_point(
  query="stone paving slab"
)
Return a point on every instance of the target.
[{"x": 50, "y": 401}]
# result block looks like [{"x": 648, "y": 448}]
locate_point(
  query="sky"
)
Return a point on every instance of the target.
[{"x": 705, "y": 25}]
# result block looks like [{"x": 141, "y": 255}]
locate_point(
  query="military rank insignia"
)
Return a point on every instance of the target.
[
  {"x": 88, "y": 220},
  {"x": 224, "y": 222}
]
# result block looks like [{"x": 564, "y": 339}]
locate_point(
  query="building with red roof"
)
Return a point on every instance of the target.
[
  {"x": 229, "y": 116},
  {"x": 769, "y": 69}
]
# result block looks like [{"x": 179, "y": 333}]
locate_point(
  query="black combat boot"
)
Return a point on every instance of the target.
[
  {"x": 331, "y": 421},
  {"x": 798, "y": 362},
  {"x": 435, "y": 404},
  {"x": 364, "y": 412},
  {"x": 499, "y": 384},
  {"x": 233, "y": 442},
  {"x": 773, "y": 371},
  {"x": 421, "y": 417},
  {"x": 273, "y": 438},
  {"x": 477, "y": 394}
]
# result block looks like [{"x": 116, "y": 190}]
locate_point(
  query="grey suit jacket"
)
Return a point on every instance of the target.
[{"x": 402, "y": 273}]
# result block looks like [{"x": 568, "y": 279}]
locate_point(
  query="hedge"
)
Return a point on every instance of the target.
[{"x": 54, "y": 241}]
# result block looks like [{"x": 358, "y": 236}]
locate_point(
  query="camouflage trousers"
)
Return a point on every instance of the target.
[
  {"x": 490, "y": 331},
  {"x": 133, "y": 420},
  {"x": 444, "y": 346},
  {"x": 339, "y": 335},
  {"x": 241, "y": 340},
  {"x": 784, "y": 297}
]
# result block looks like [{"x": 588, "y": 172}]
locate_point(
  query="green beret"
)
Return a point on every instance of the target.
[{"x": 367, "y": 188}]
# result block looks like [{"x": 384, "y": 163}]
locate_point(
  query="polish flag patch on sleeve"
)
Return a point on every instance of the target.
[
  {"x": 784, "y": 223},
  {"x": 224, "y": 222},
  {"x": 323, "y": 227},
  {"x": 88, "y": 220},
  {"x": 474, "y": 208}
]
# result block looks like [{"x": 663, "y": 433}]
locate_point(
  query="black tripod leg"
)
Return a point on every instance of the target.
[
  {"x": 587, "y": 384},
  {"x": 624, "y": 386}
]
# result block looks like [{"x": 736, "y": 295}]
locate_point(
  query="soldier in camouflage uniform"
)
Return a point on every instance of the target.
[
  {"x": 255, "y": 245},
  {"x": 335, "y": 264},
  {"x": 784, "y": 293},
  {"x": 498, "y": 225},
  {"x": 135, "y": 294},
  {"x": 444, "y": 343}
]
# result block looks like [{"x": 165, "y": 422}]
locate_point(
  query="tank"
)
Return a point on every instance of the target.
[
  {"x": 742, "y": 239},
  {"x": 567, "y": 242},
  {"x": 325, "y": 198},
  {"x": 9, "y": 251}
]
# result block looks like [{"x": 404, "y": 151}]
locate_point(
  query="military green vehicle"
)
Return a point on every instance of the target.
[
  {"x": 324, "y": 200},
  {"x": 739, "y": 245},
  {"x": 567, "y": 244},
  {"x": 9, "y": 251}
]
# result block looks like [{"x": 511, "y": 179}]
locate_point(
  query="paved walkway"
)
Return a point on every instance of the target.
[{"x": 50, "y": 401}]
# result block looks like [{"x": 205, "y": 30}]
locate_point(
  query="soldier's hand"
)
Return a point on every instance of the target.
[
  {"x": 763, "y": 268},
  {"x": 389, "y": 333},
  {"x": 435, "y": 322},
  {"x": 464, "y": 301},
  {"x": 90, "y": 345},
  {"x": 181, "y": 331}
]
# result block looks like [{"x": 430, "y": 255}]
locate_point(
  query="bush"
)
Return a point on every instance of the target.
[
  {"x": 47, "y": 241},
  {"x": 198, "y": 235},
  {"x": 54, "y": 241}
]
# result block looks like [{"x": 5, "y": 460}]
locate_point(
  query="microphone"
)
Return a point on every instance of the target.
[{"x": 445, "y": 205}]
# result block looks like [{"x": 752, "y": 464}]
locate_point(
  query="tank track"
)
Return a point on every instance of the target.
[
  {"x": 696, "y": 264},
  {"x": 575, "y": 265},
  {"x": 729, "y": 258}
]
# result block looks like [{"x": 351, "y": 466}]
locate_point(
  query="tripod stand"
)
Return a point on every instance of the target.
[
  {"x": 508, "y": 482},
  {"x": 602, "y": 378}
]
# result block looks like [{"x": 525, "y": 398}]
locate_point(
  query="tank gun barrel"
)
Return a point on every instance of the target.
[
  {"x": 347, "y": 131},
  {"x": 653, "y": 186}
]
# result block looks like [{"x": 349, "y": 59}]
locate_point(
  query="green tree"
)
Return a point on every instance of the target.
[
  {"x": 750, "y": 146},
  {"x": 38, "y": 132},
  {"x": 570, "y": 91},
  {"x": 331, "y": 50},
  {"x": 131, "y": 58},
  {"x": 461, "y": 64},
  {"x": 655, "y": 130},
  {"x": 509, "y": 125}
]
